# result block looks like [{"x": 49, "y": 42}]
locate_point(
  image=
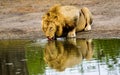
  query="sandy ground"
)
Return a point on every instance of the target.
[{"x": 22, "y": 19}]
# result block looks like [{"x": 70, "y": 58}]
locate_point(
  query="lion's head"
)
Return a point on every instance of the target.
[
  {"x": 52, "y": 23},
  {"x": 49, "y": 28}
]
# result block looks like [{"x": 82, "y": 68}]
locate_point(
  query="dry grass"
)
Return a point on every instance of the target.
[{"x": 28, "y": 6}]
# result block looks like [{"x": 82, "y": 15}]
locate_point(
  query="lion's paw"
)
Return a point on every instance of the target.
[
  {"x": 71, "y": 34},
  {"x": 88, "y": 27}
]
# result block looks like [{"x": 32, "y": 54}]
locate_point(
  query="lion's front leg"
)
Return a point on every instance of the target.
[{"x": 72, "y": 33}]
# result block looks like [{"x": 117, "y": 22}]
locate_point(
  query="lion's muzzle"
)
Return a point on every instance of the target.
[{"x": 49, "y": 38}]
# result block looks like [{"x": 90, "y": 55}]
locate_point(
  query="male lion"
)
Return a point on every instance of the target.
[{"x": 65, "y": 21}]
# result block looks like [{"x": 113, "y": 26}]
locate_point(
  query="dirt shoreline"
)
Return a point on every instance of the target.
[{"x": 22, "y": 19}]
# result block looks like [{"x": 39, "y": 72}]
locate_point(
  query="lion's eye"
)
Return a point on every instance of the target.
[
  {"x": 51, "y": 28},
  {"x": 45, "y": 29}
]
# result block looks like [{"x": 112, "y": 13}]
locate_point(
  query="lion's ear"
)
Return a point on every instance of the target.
[
  {"x": 56, "y": 17},
  {"x": 55, "y": 8},
  {"x": 48, "y": 14}
]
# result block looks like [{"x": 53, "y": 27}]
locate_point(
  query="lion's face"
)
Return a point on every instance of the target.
[
  {"x": 49, "y": 28},
  {"x": 50, "y": 23}
]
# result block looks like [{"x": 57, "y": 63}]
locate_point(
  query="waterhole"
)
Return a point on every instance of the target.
[{"x": 60, "y": 57}]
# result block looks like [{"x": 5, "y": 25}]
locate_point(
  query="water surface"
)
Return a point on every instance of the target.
[{"x": 62, "y": 57}]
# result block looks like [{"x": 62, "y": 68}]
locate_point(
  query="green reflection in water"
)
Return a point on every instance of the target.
[
  {"x": 35, "y": 62},
  {"x": 107, "y": 50}
]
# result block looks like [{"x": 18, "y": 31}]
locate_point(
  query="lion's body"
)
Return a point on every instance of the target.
[{"x": 66, "y": 21}]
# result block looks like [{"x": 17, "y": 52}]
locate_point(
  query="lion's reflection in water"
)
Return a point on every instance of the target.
[{"x": 60, "y": 55}]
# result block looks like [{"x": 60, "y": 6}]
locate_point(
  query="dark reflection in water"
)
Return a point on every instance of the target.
[
  {"x": 12, "y": 57},
  {"x": 62, "y": 57},
  {"x": 63, "y": 54}
]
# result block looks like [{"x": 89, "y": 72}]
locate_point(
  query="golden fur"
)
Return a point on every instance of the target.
[
  {"x": 65, "y": 21},
  {"x": 60, "y": 55}
]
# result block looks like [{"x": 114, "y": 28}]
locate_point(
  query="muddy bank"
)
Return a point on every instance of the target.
[{"x": 22, "y": 19}]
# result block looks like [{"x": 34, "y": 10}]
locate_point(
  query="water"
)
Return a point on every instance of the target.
[{"x": 62, "y": 57}]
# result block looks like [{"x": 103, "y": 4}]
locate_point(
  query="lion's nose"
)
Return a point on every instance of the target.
[{"x": 48, "y": 37}]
